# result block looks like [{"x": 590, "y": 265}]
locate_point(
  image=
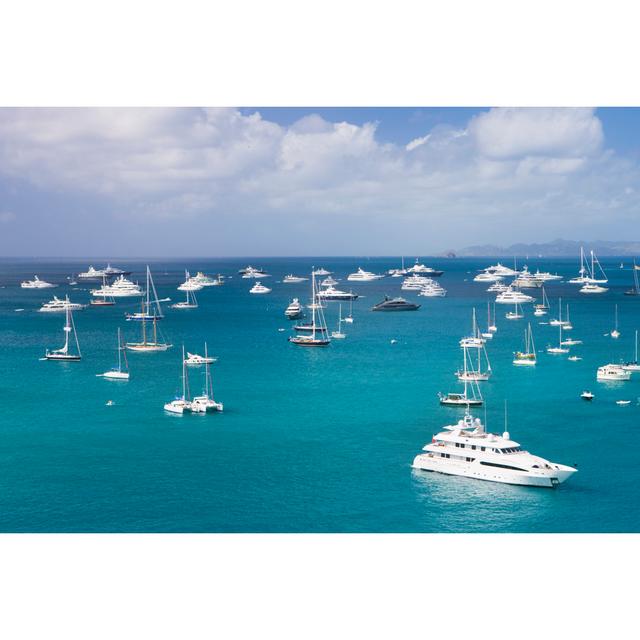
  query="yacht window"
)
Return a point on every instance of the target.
[
  {"x": 535, "y": 466},
  {"x": 501, "y": 466},
  {"x": 473, "y": 446},
  {"x": 482, "y": 448}
]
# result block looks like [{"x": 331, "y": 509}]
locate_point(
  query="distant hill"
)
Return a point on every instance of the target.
[{"x": 556, "y": 248}]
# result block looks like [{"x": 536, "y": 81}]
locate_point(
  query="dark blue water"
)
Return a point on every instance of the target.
[{"x": 310, "y": 439}]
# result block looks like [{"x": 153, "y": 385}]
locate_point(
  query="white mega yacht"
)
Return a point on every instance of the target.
[
  {"x": 467, "y": 449},
  {"x": 363, "y": 276},
  {"x": 259, "y": 288},
  {"x": 511, "y": 296},
  {"x": 58, "y": 305},
  {"x": 119, "y": 288},
  {"x": 331, "y": 293},
  {"x": 36, "y": 283},
  {"x": 423, "y": 270},
  {"x": 191, "y": 283}
]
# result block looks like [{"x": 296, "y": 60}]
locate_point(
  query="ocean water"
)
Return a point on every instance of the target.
[{"x": 311, "y": 440}]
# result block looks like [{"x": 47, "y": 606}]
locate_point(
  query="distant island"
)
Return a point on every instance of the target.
[{"x": 556, "y": 248}]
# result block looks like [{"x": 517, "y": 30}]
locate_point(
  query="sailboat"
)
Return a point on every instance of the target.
[
  {"x": 634, "y": 365},
  {"x": 189, "y": 303},
  {"x": 488, "y": 335},
  {"x": 492, "y": 327},
  {"x": 615, "y": 333},
  {"x": 475, "y": 374},
  {"x": 584, "y": 276},
  {"x": 558, "y": 321},
  {"x": 475, "y": 339},
  {"x": 349, "y": 318},
  {"x": 516, "y": 314},
  {"x": 636, "y": 285},
  {"x": 102, "y": 299},
  {"x": 205, "y": 402},
  {"x": 63, "y": 353},
  {"x": 528, "y": 356},
  {"x": 338, "y": 334},
  {"x": 181, "y": 403},
  {"x": 542, "y": 308},
  {"x": 471, "y": 396},
  {"x": 567, "y": 326},
  {"x": 318, "y": 327},
  {"x": 560, "y": 348},
  {"x": 118, "y": 374},
  {"x": 151, "y": 309}
]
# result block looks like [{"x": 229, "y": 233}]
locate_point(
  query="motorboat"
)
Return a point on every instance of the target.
[
  {"x": 593, "y": 288},
  {"x": 467, "y": 449},
  {"x": 112, "y": 272},
  {"x": 331, "y": 293},
  {"x": 321, "y": 272},
  {"x": 511, "y": 296},
  {"x": 259, "y": 288},
  {"x": 614, "y": 372},
  {"x": 459, "y": 400},
  {"x": 500, "y": 270},
  {"x": 294, "y": 310},
  {"x": 93, "y": 274},
  {"x": 36, "y": 283},
  {"x": 207, "y": 281},
  {"x": 587, "y": 395},
  {"x": 526, "y": 280},
  {"x": 64, "y": 354},
  {"x": 194, "y": 359},
  {"x": 250, "y": 272},
  {"x": 432, "y": 290},
  {"x": 118, "y": 373},
  {"x": 119, "y": 288},
  {"x": 363, "y": 276},
  {"x": 328, "y": 282},
  {"x": 291, "y": 279},
  {"x": 421, "y": 269},
  {"x": 485, "y": 276},
  {"x": 395, "y": 304},
  {"x": 58, "y": 305},
  {"x": 574, "y": 358},
  {"x": 546, "y": 276},
  {"x": 416, "y": 283},
  {"x": 497, "y": 287}
]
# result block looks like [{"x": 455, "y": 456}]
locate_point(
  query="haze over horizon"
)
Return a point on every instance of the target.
[{"x": 303, "y": 181}]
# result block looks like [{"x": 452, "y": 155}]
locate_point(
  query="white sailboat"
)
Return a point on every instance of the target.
[
  {"x": 151, "y": 309},
  {"x": 102, "y": 299},
  {"x": 205, "y": 402},
  {"x": 542, "y": 308},
  {"x": 63, "y": 354},
  {"x": 475, "y": 374},
  {"x": 318, "y": 328},
  {"x": 471, "y": 396},
  {"x": 528, "y": 356},
  {"x": 349, "y": 318},
  {"x": 516, "y": 314},
  {"x": 475, "y": 340},
  {"x": 181, "y": 403},
  {"x": 560, "y": 348},
  {"x": 339, "y": 334},
  {"x": 488, "y": 334},
  {"x": 615, "y": 333},
  {"x": 189, "y": 303},
  {"x": 566, "y": 324},
  {"x": 118, "y": 374}
]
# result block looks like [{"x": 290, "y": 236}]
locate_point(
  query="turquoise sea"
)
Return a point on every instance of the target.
[{"x": 311, "y": 440}]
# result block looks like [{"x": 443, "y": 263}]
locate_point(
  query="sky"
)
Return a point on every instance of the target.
[{"x": 252, "y": 181}]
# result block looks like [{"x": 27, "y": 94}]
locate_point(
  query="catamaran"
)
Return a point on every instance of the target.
[
  {"x": 182, "y": 403},
  {"x": 318, "y": 328},
  {"x": 205, "y": 402},
  {"x": 528, "y": 356},
  {"x": 63, "y": 353},
  {"x": 118, "y": 374}
]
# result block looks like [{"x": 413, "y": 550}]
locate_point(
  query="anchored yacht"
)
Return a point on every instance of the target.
[
  {"x": 528, "y": 356},
  {"x": 485, "y": 276},
  {"x": 64, "y": 354},
  {"x": 590, "y": 287},
  {"x": 511, "y": 296},
  {"x": 36, "y": 283},
  {"x": 395, "y": 304},
  {"x": 433, "y": 290},
  {"x": 416, "y": 282},
  {"x": 291, "y": 279},
  {"x": 250, "y": 272},
  {"x": 60, "y": 306},
  {"x": 467, "y": 449},
  {"x": 259, "y": 288},
  {"x": 613, "y": 372},
  {"x": 421, "y": 269},
  {"x": 118, "y": 373},
  {"x": 294, "y": 310},
  {"x": 363, "y": 276},
  {"x": 330, "y": 293},
  {"x": 120, "y": 288},
  {"x": 318, "y": 327}
]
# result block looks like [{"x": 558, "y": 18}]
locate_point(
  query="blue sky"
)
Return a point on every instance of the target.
[{"x": 305, "y": 181}]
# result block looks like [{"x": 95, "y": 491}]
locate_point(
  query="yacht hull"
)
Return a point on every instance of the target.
[{"x": 547, "y": 479}]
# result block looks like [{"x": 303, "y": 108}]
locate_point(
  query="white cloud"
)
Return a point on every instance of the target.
[{"x": 530, "y": 164}]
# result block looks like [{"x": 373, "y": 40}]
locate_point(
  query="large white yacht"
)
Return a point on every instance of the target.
[
  {"x": 259, "y": 288},
  {"x": 294, "y": 310},
  {"x": 433, "y": 290},
  {"x": 250, "y": 272},
  {"x": 331, "y": 293},
  {"x": 191, "y": 283},
  {"x": 92, "y": 274},
  {"x": 591, "y": 287},
  {"x": 466, "y": 449},
  {"x": 421, "y": 269},
  {"x": 415, "y": 282},
  {"x": 321, "y": 272},
  {"x": 58, "y": 305},
  {"x": 206, "y": 281},
  {"x": 500, "y": 270},
  {"x": 511, "y": 296},
  {"x": 485, "y": 276},
  {"x": 613, "y": 372},
  {"x": 526, "y": 280},
  {"x": 291, "y": 279},
  {"x": 36, "y": 283},
  {"x": 363, "y": 276},
  {"x": 119, "y": 288}
]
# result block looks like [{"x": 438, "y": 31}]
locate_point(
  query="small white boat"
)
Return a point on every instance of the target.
[
  {"x": 294, "y": 310},
  {"x": 574, "y": 358},
  {"x": 119, "y": 373},
  {"x": 36, "y": 283},
  {"x": 328, "y": 282},
  {"x": 613, "y": 372},
  {"x": 590, "y": 287},
  {"x": 291, "y": 279},
  {"x": 349, "y": 318},
  {"x": 190, "y": 302},
  {"x": 181, "y": 404},
  {"x": 194, "y": 359},
  {"x": 623, "y": 402},
  {"x": 587, "y": 395},
  {"x": 615, "y": 333},
  {"x": 259, "y": 288}
]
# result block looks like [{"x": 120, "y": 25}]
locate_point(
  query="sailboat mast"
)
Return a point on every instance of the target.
[
  {"x": 119, "y": 352},
  {"x": 67, "y": 329},
  {"x": 313, "y": 303}
]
